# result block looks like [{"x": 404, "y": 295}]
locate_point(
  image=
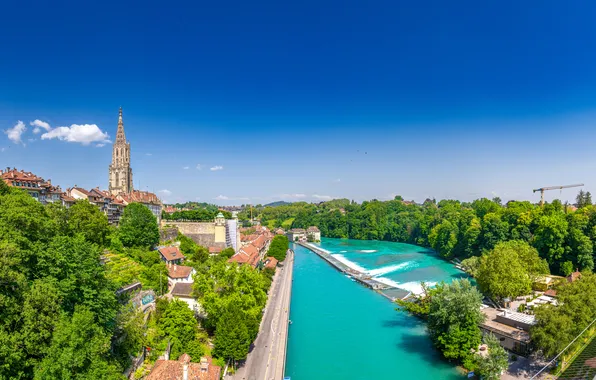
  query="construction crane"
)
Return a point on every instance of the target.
[{"x": 543, "y": 189}]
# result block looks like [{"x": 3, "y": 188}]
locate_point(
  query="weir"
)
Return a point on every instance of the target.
[{"x": 365, "y": 278}]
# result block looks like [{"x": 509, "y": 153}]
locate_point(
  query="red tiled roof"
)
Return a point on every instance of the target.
[
  {"x": 140, "y": 197},
  {"x": 574, "y": 276},
  {"x": 66, "y": 198},
  {"x": 173, "y": 369},
  {"x": 271, "y": 262},
  {"x": 179, "y": 271},
  {"x": 313, "y": 229},
  {"x": 260, "y": 242},
  {"x": 81, "y": 190},
  {"x": 239, "y": 258},
  {"x": 247, "y": 255},
  {"x": 551, "y": 293},
  {"x": 253, "y": 260},
  {"x": 249, "y": 250},
  {"x": 171, "y": 253},
  {"x": 13, "y": 174},
  {"x": 215, "y": 249}
]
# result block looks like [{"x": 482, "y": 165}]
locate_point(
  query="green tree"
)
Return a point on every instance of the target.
[
  {"x": 492, "y": 366},
  {"x": 443, "y": 238},
  {"x": 227, "y": 253},
  {"x": 278, "y": 247},
  {"x": 138, "y": 227},
  {"x": 85, "y": 218},
  {"x": 583, "y": 199},
  {"x": 419, "y": 305},
  {"x": 80, "y": 280},
  {"x": 470, "y": 265},
  {"x": 557, "y": 326},
  {"x": 78, "y": 351},
  {"x": 232, "y": 338},
  {"x": 453, "y": 319},
  {"x": 550, "y": 236},
  {"x": 566, "y": 268},
  {"x": 509, "y": 269},
  {"x": 179, "y": 324}
]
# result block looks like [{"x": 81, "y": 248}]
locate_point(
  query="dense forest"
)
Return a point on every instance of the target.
[{"x": 455, "y": 229}]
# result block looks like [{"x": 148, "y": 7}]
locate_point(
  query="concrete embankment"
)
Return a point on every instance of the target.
[{"x": 390, "y": 292}]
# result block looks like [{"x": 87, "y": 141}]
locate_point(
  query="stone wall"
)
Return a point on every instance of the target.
[
  {"x": 202, "y": 233},
  {"x": 168, "y": 233}
]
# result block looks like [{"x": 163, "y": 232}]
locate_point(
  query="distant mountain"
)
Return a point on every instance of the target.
[{"x": 278, "y": 203}]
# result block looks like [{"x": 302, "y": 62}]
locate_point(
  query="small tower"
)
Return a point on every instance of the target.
[{"x": 220, "y": 228}]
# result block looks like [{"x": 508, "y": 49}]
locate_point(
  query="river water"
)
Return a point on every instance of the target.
[{"x": 343, "y": 330}]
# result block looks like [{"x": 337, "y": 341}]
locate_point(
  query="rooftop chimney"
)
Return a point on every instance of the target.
[{"x": 204, "y": 365}]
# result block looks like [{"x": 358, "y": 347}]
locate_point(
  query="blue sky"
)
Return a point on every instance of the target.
[{"x": 304, "y": 100}]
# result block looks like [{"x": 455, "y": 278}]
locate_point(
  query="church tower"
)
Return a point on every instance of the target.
[{"x": 120, "y": 180}]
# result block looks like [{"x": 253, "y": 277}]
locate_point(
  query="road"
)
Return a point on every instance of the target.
[{"x": 266, "y": 361}]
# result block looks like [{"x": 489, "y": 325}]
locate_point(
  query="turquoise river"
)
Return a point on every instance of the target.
[{"x": 343, "y": 330}]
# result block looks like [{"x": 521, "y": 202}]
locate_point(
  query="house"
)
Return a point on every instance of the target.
[
  {"x": 280, "y": 231},
  {"x": 296, "y": 234},
  {"x": 313, "y": 234},
  {"x": 180, "y": 273},
  {"x": 183, "y": 292},
  {"x": 545, "y": 282},
  {"x": 171, "y": 254},
  {"x": 150, "y": 200},
  {"x": 262, "y": 244},
  {"x": 270, "y": 263},
  {"x": 109, "y": 205},
  {"x": 183, "y": 369},
  {"x": 574, "y": 276},
  {"x": 67, "y": 200},
  {"x": 215, "y": 250},
  {"x": 551, "y": 293},
  {"x": 246, "y": 255},
  {"x": 37, "y": 187},
  {"x": 511, "y": 328}
]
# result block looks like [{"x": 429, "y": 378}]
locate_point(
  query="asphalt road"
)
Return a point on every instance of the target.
[{"x": 267, "y": 358}]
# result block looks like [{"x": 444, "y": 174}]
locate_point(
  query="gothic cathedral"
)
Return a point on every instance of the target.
[{"x": 120, "y": 172}]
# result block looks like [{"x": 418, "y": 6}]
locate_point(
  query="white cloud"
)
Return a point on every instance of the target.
[
  {"x": 39, "y": 125},
  {"x": 226, "y": 198},
  {"x": 337, "y": 180},
  {"x": 186, "y": 167},
  {"x": 79, "y": 133},
  {"x": 148, "y": 154},
  {"x": 165, "y": 192},
  {"x": 14, "y": 133},
  {"x": 199, "y": 167},
  {"x": 322, "y": 197},
  {"x": 99, "y": 145},
  {"x": 293, "y": 196},
  {"x": 216, "y": 168},
  {"x": 2, "y": 150}
]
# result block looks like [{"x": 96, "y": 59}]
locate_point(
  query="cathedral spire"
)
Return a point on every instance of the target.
[{"x": 120, "y": 137}]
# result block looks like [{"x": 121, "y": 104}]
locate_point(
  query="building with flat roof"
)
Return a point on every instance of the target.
[{"x": 511, "y": 328}]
